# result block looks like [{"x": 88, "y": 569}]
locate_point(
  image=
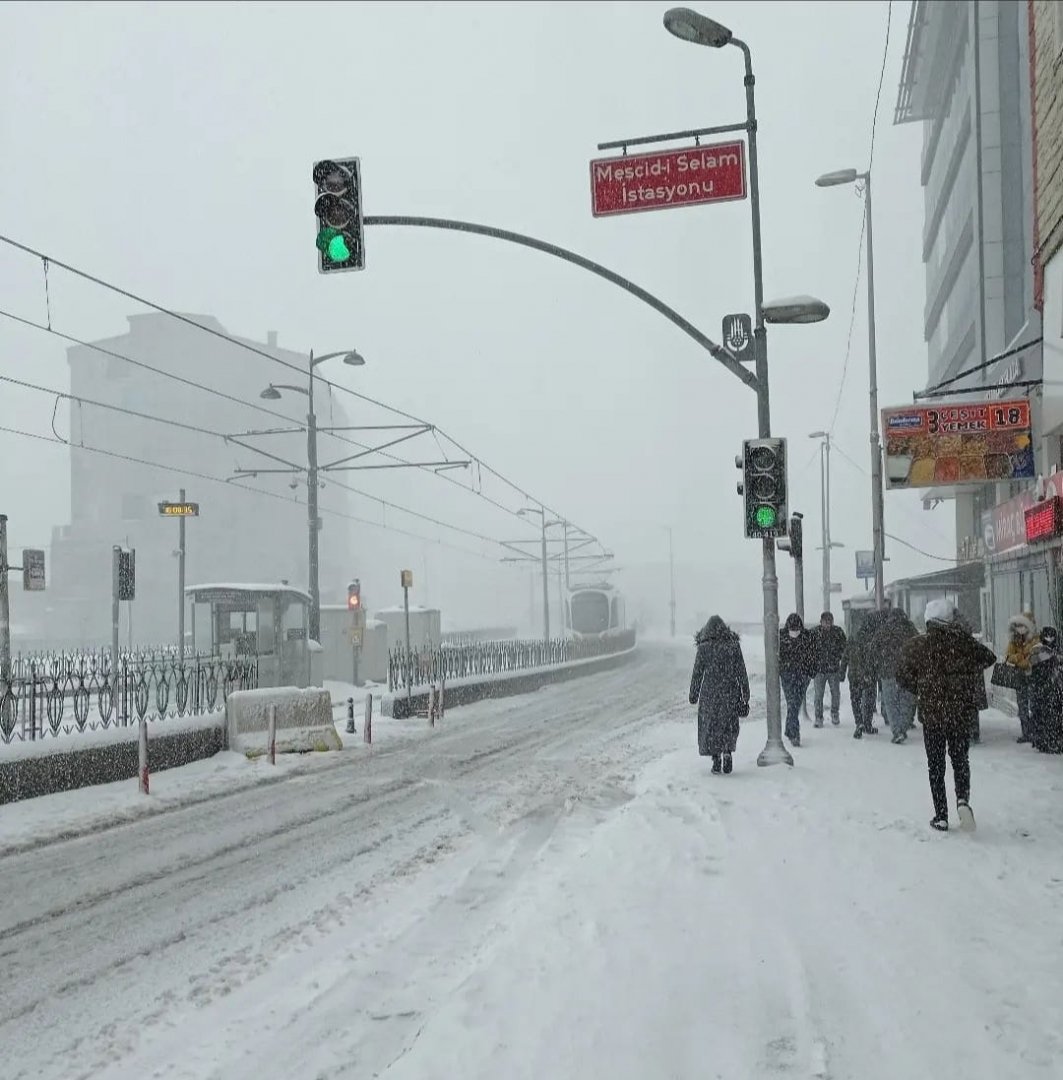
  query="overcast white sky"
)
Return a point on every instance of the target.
[{"x": 167, "y": 147}]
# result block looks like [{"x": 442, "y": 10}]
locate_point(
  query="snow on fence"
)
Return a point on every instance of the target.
[
  {"x": 426, "y": 666},
  {"x": 55, "y": 694}
]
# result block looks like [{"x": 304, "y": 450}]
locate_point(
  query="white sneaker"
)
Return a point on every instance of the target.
[{"x": 966, "y": 816}]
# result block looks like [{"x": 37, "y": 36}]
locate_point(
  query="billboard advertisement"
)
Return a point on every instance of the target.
[{"x": 957, "y": 443}]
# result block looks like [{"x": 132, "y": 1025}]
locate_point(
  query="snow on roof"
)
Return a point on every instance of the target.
[
  {"x": 398, "y": 609},
  {"x": 239, "y": 586}
]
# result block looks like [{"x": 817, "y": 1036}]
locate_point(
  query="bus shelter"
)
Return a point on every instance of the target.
[{"x": 269, "y": 622}]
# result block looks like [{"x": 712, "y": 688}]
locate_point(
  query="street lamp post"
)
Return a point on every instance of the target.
[
  {"x": 690, "y": 26},
  {"x": 824, "y": 503},
  {"x": 833, "y": 179},
  {"x": 313, "y": 521}
]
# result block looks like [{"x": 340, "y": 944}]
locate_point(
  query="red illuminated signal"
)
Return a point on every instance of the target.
[{"x": 1045, "y": 520}]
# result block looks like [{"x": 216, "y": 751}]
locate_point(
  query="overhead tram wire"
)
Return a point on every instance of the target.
[
  {"x": 61, "y": 394},
  {"x": 229, "y": 482},
  {"x": 52, "y": 262}
]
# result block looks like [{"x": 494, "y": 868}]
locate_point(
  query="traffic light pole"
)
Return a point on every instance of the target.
[
  {"x": 181, "y": 585},
  {"x": 774, "y": 752},
  {"x": 311, "y": 511}
]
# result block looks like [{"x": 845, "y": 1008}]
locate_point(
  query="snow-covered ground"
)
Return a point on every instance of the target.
[{"x": 554, "y": 886}]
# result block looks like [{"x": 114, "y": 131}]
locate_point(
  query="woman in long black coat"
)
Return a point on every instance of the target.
[{"x": 720, "y": 689}]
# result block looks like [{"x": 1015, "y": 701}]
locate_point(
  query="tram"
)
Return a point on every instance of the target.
[{"x": 595, "y": 611}]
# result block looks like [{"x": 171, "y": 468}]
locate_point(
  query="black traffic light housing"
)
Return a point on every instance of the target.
[
  {"x": 797, "y": 541},
  {"x": 338, "y": 208},
  {"x": 764, "y": 487},
  {"x": 354, "y": 596},
  {"x": 125, "y": 573}
]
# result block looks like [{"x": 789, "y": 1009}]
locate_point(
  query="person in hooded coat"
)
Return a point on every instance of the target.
[
  {"x": 895, "y": 631},
  {"x": 719, "y": 686},
  {"x": 797, "y": 667},
  {"x": 862, "y": 665},
  {"x": 1046, "y": 693},
  {"x": 1022, "y": 640},
  {"x": 938, "y": 667}
]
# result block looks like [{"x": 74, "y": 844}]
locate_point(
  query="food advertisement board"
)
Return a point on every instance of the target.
[{"x": 957, "y": 443}]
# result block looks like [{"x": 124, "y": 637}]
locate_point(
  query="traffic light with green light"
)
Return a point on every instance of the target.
[
  {"x": 763, "y": 464},
  {"x": 338, "y": 208}
]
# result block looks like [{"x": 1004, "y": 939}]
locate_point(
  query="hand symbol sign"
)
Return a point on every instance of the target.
[{"x": 736, "y": 337}]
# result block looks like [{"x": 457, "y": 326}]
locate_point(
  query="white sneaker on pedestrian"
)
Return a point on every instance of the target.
[{"x": 966, "y": 816}]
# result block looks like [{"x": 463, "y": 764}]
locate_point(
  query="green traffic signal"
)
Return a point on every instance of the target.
[
  {"x": 338, "y": 251},
  {"x": 766, "y": 517}
]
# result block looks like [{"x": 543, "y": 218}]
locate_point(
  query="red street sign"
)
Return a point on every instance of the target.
[{"x": 689, "y": 177}]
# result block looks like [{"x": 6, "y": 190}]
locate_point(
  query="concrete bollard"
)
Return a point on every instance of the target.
[
  {"x": 442, "y": 693},
  {"x": 143, "y": 755},
  {"x": 273, "y": 734},
  {"x": 351, "y": 730},
  {"x": 367, "y": 727}
]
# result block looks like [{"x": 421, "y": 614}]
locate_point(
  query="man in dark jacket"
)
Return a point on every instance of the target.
[
  {"x": 894, "y": 633},
  {"x": 830, "y": 644},
  {"x": 719, "y": 687},
  {"x": 938, "y": 667},
  {"x": 862, "y": 667},
  {"x": 797, "y": 666}
]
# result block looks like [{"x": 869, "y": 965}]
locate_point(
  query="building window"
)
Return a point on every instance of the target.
[{"x": 134, "y": 507}]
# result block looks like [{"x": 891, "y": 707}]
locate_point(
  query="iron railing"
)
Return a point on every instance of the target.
[
  {"x": 432, "y": 665},
  {"x": 53, "y": 694}
]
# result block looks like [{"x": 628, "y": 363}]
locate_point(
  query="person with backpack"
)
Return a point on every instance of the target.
[
  {"x": 719, "y": 686},
  {"x": 937, "y": 667}
]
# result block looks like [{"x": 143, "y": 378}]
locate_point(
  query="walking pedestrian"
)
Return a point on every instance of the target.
[
  {"x": 830, "y": 644},
  {"x": 797, "y": 666},
  {"x": 979, "y": 701},
  {"x": 719, "y": 687},
  {"x": 938, "y": 667},
  {"x": 1022, "y": 640},
  {"x": 898, "y": 704},
  {"x": 863, "y": 677},
  {"x": 1046, "y": 693}
]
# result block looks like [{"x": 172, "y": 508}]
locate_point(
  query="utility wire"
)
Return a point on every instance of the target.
[
  {"x": 241, "y": 487},
  {"x": 881, "y": 77},
  {"x": 920, "y": 551},
  {"x": 221, "y": 334}
]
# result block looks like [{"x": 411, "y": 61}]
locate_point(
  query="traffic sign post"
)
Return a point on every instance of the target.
[
  {"x": 181, "y": 509},
  {"x": 33, "y": 578},
  {"x": 406, "y": 577},
  {"x": 693, "y": 176}
]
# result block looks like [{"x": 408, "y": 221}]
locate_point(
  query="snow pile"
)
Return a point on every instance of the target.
[{"x": 303, "y": 715}]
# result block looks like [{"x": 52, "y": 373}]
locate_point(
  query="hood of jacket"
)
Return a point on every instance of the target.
[
  {"x": 715, "y": 630},
  {"x": 1024, "y": 623},
  {"x": 793, "y": 622}
]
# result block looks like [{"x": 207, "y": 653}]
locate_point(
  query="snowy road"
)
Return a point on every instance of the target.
[{"x": 553, "y": 886}]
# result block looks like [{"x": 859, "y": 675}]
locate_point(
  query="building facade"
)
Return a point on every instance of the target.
[
  {"x": 966, "y": 79},
  {"x": 122, "y": 466}
]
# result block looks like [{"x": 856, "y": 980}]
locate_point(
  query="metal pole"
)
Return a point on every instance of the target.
[
  {"x": 181, "y": 586},
  {"x": 876, "y": 446},
  {"x": 799, "y": 584},
  {"x": 827, "y": 542},
  {"x": 566, "y": 611},
  {"x": 824, "y": 529},
  {"x": 671, "y": 582},
  {"x": 5, "y": 609},
  {"x": 311, "y": 512},
  {"x": 409, "y": 657},
  {"x": 774, "y": 751},
  {"x": 115, "y": 556},
  {"x": 546, "y": 587}
]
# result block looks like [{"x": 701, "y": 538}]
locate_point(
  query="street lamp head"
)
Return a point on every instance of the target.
[
  {"x": 688, "y": 25},
  {"x": 832, "y": 179},
  {"x": 818, "y": 434},
  {"x": 271, "y": 393},
  {"x": 354, "y": 358},
  {"x": 795, "y": 309}
]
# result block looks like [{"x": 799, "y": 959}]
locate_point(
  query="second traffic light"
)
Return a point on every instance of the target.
[
  {"x": 354, "y": 596},
  {"x": 338, "y": 208},
  {"x": 764, "y": 488}
]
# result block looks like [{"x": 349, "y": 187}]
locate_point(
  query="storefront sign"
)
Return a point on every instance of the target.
[
  {"x": 1004, "y": 527},
  {"x": 958, "y": 443},
  {"x": 1044, "y": 520}
]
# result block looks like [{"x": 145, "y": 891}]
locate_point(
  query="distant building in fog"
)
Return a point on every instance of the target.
[{"x": 239, "y": 535}]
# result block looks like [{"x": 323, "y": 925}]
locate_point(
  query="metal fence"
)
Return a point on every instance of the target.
[
  {"x": 52, "y": 694},
  {"x": 432, "y": 665}
]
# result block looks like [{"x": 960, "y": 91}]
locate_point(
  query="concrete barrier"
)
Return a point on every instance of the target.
[
  {"x": 304, "y": 720},
  {"x": 478, "y": 688}
]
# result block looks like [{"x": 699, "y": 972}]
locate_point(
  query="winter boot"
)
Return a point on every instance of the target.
[
  {"x": 715, "y": 763},
  {"x": 835, "y": 719},
  {"x": 819, "y": 721},
  {"x": 899, "y": 737},
  {"x": 940, "y": 823},
  {"x": 727, "y": 763},
  {"x": 859, "y": 733}
]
